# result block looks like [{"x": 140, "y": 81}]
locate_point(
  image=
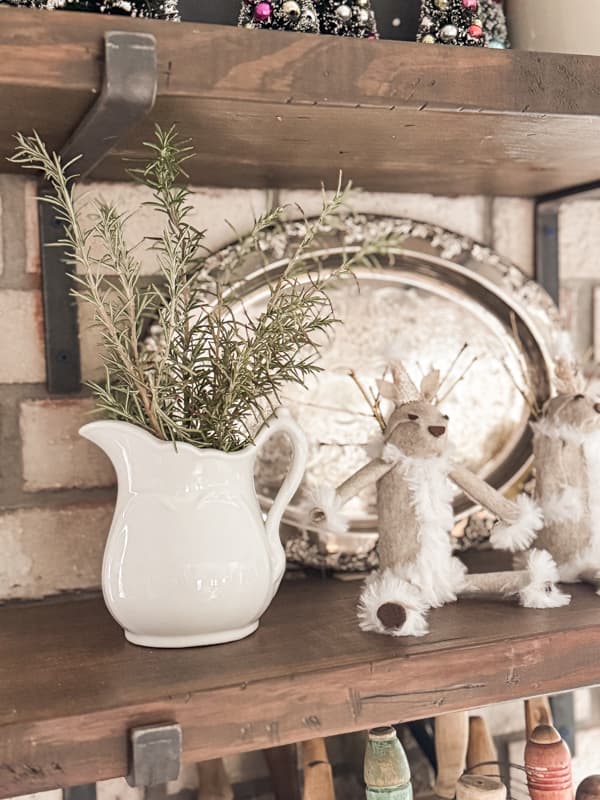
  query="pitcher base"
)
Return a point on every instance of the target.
[{"x": 196, "y": 640}]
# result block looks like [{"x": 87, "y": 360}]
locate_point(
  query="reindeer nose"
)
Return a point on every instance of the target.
[
  {"x": 597, "y": 407},
  {"x": 436, "y": 430}
]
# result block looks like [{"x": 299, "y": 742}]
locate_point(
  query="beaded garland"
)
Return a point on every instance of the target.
[
  {"x": 286, "y": 15},
  {"x": 456, "y": 22},
  {"x": 154, "y": 9}
]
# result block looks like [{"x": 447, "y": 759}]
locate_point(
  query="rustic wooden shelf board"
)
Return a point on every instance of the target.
[
  {"x": 71, "y": 686},
  {"x": 271, "y": 108}
]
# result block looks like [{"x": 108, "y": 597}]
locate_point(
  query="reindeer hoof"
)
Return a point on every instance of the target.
[{"x": 391, "y": 615}]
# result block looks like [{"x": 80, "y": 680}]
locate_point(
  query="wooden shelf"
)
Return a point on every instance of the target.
[
  {"x": 71, "y": 686},
  {"x": 279, "y": 109}
]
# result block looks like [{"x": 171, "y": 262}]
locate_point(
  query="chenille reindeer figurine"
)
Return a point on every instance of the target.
[
  {"x": 414, "y": 503},
  {"x": 566, "y": 448}
]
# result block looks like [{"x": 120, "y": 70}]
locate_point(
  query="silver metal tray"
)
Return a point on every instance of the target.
[{"x": 440, "y": 291}]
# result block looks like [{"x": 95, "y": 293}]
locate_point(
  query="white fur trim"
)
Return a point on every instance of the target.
[
  {"x": 324, "y": 498},
  {"x": 391, "y": 454},
  {"x": 387, "y": 587},
  {"x": 589, "y": 440},
  {"x": 521, "y": 533},
  {"x": 377, "y": 447},
  {"x": 541, "y": 592},
  {"x": 566, "y": 506}
]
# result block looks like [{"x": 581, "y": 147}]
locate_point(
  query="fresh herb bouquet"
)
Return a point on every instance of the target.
[{"x": 182, "y": 359}]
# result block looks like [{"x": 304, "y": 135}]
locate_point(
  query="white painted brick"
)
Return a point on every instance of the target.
[
  {"x": 32, "y": 242},
  {"x": 50, "y": 550},
  {"x": 216, "y": 210},
  {"x": 513, "y": 232},
  {"x": 21, "y": 337},
  {"x": 54, "y": 455},
  {"x": 579, "y": 240},
  {"x": 576, "y": 306},
  {"x": 117, "y": 789},
  {"x": 465, "y": 215}
]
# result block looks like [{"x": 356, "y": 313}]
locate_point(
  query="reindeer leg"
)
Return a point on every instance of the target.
[{"x": 534, "y": 586}]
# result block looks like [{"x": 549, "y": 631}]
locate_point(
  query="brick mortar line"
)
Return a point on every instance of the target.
[{"x": 57, "y": 499}]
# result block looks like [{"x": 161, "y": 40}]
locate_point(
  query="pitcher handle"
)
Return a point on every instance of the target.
[{"x": 282, "y": 420}]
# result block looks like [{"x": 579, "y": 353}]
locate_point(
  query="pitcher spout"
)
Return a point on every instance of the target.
[{"x": 121, "y": 441}]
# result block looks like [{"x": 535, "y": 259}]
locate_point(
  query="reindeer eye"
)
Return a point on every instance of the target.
[
  {"x": 413, "y": 416},
  {"x": 446, "y": 416},
  {"x": 579, "y": 397}
]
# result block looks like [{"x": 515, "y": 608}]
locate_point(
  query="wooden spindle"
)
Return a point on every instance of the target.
[
  {"x": 482, "y": 756},
  {"x": 318, "y": 776},
  {"x": 387, "y": 774},
  {"x": 451, "y": 742},
  {"x": 537, "y": 712},
  {"x": 213, "y": 782},
  {"x": 589, "y": 788},
  {"x": 548, "y": 765},
  {"x": 480, "y": 787},
  {"x": 282, "y": 762}
]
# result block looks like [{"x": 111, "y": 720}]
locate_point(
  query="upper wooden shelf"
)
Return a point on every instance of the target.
[
  {"x": 290, "y": 110},
  {"x": 71, "y": 686}
]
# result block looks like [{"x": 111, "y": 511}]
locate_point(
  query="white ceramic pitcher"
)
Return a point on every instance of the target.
[{"x": 189, "y": 559}]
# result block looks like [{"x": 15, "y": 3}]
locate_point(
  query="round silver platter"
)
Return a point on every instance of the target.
[{"x": 439, "y": 291}]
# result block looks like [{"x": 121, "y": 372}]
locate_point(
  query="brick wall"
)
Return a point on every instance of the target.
[{"x": 56, "y": 490}]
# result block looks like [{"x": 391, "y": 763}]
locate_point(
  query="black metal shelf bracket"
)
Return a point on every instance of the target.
[
  {"x": 547, "y": 210},
  {"x": 127, "y": 95}
]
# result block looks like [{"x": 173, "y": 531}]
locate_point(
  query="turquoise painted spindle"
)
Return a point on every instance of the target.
[{"x": 387, "y": 774}]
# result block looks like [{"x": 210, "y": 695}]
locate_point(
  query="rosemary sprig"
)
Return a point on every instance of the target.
[{"x": 206, "y": 373}]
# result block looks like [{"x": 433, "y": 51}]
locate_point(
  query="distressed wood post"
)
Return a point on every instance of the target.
[
  {"x": 318, "y": 777},
  {"x": 387, "y": 774},
  {"x": 482, "y": 756},
  {"x": 451, "y": 742},
  {"x": 537, "y": 712},
  {"x": 213, "y": 782}
]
